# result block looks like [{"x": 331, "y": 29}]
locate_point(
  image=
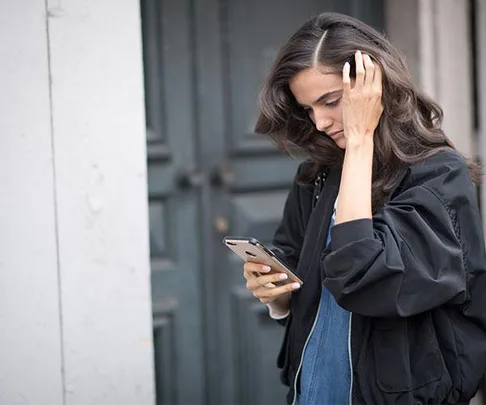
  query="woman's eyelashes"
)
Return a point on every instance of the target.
[
  {"x": 328, "y": 104},
  {"x": 334, "y": 103}
]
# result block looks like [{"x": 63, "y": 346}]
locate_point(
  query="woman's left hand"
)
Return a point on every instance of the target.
[{"x": 362, "y": 106}]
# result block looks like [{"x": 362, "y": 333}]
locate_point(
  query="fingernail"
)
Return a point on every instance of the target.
[
  {"x": 266, "y": 268},
  {"x": 283, "y": 277},
  {"x": 346, "y": 65},
  {"x": 295, "y": 286}
]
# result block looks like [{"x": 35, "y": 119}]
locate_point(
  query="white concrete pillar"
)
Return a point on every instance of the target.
[
  {"x": 102, "y": 204},
  {"x": 75, "y": 299},
  {"x": 481, "y": 91},
  {"x": 434, "y": 35},
  {"x": 30, "y": 337}
]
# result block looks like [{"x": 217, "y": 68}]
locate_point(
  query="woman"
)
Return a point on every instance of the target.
[{"x": 382, "y": 225}]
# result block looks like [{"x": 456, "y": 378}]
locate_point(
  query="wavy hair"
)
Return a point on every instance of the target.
[{"x": 410, "y": 126}]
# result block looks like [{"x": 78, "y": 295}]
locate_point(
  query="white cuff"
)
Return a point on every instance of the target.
[{"x": 277, "y": 315}]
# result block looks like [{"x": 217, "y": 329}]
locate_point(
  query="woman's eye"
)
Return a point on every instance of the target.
[{"x": 333, "y": 103}]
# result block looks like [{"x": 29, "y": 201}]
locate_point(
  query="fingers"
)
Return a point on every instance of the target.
[
  {"x": 369, "y": 70},
  {"x": 265, "y": 286},
  {"x": 346, "y": 78},
  {"x": 377, "y": 80},
  {"x": 254, "y": 269},
  {"x": 366, "y": 71},
  {"x": 266, "y": 295},
  {"x": 360, "y": 69},
  {"x": 265, "y": 281}
]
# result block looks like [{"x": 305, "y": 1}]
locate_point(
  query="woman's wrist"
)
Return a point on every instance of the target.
[
  {"x": 281, "y": 305},
  {"x": 355, "y": 189},
  {"x": 359, "y": 143}
]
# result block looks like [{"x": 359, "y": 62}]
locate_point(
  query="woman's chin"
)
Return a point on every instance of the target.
[{"x": 340, "y": 142}]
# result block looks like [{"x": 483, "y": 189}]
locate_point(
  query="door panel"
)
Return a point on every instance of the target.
[
  {"x": 174, "y": 187},
  {"x": 252, "y": 32}
]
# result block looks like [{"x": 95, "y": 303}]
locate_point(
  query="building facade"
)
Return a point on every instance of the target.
[{"x": 127, "y": 153}]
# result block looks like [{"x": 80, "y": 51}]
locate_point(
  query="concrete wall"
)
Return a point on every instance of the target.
[
  {"x": 481, "y": 91},
  {"x": 30, "y": 339},
  {"x": 74, "y": 261},
  {"x": 434, "y": 37}
]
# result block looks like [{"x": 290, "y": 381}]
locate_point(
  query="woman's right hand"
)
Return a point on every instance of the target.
[{"x": 261, "y": 283}]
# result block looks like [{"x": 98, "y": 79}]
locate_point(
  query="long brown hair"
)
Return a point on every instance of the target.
[{"x": 410, "y": 126}]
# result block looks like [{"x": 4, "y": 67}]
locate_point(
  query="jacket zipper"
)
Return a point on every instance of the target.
[
  {"x": 350, "y": 361},
  {"x": 318, "y": 183},
  {"x": 317, "y": 191},
  {"x": 303, "y": 351}
]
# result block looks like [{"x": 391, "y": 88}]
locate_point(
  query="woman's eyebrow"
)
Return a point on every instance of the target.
[
  {"x": 322, "y": 97},
  {"x": 327, "y": 95}
]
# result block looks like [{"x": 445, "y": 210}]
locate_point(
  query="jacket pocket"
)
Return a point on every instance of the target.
[{"x": 407, "y": 355}]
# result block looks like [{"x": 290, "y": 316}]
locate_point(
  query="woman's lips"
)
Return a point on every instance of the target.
[{"x": 335, "y": 135}]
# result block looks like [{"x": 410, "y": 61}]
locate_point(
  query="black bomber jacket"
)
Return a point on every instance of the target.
[{"x": 413, "y": 278}]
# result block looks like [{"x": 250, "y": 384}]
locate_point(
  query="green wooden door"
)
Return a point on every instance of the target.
[
  {"x": 210, "y": 176},
  {"x": 174, "y": 201}
]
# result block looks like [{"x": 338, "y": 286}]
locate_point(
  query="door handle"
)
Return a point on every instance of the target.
[
  {"x": 223, "y": 176},
  {"x": 188, "y": 179}
]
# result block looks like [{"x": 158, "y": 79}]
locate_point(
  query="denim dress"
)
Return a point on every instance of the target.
[{"x": 325, "y": 377}]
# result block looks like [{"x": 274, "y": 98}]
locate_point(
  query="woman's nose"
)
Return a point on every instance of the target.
[{"x": 323, "y": 123}]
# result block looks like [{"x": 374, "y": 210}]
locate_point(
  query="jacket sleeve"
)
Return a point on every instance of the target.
[{"x": 406, "y": 260}]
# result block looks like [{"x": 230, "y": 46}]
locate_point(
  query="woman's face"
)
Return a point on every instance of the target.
[{"x": 319, "y": 92}]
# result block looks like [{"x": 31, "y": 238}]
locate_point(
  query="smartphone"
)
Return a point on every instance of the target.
[{"x": 251, "y": 250}]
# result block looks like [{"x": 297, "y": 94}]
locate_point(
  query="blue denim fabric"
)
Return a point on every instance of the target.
[{"x": 325, "y": 377}]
